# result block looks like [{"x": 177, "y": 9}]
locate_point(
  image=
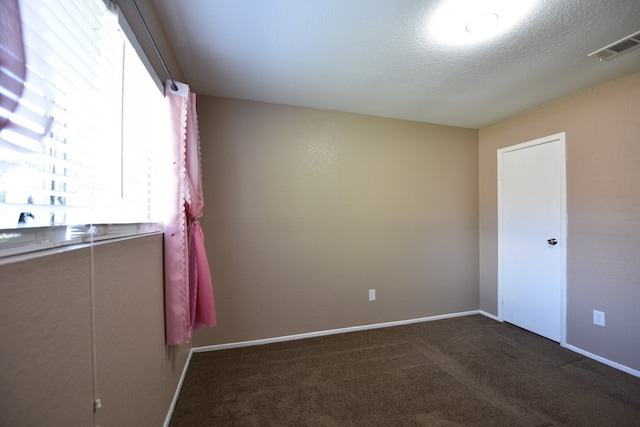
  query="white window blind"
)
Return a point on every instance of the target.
[{"x": 82, "y": 144}]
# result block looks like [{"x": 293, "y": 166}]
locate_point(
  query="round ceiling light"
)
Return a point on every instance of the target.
[
  {"x": 483, "y": 23},
  {"x": 472, "y": 21}
]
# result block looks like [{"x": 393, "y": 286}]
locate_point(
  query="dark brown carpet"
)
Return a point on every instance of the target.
[{"x": 454, "y": 372}]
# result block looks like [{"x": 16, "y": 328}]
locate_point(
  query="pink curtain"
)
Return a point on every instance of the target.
[{"x": 189, "y": 302}]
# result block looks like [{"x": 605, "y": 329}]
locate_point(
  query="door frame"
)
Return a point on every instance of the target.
[{"x": 563, "y": 229}]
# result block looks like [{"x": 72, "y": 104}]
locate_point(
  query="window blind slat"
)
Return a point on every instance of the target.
[
  {"x": 8, "y": 142},
  {"x": 22, "y": 139},
  {"x": 13, "y": 83}
]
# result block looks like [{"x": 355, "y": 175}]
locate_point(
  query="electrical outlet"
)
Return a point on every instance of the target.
[
  {"x": 372, "y": 294},
  {"x": 598, "y": 318}
]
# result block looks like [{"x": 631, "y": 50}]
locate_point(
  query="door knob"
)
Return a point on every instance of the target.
[{"x": 552, "y": 242}]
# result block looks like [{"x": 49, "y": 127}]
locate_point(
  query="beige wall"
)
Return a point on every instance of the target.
[
  {"x": 306, "y": 210},
  {"x": 45, "y": 327},
  {"x": 602, "y": 128}
]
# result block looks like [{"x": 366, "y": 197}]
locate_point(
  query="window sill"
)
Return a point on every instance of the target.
[{"x": 19, "y": 244}]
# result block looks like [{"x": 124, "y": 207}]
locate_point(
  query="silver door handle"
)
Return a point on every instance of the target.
[{"x": 552, "y": 242}]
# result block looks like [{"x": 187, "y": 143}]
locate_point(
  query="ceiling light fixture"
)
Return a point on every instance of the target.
[
  {"x": 473, "y": 21},
  {"x": 483, "y": 23}
]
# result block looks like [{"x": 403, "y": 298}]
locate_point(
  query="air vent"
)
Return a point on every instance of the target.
[{"x": 618, "y": 48}]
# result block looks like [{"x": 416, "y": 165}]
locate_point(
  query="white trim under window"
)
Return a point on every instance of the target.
[{"x": 40, "y": 240}]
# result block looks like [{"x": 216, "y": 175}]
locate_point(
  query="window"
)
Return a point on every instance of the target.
[{"x": 81, "y": 125}]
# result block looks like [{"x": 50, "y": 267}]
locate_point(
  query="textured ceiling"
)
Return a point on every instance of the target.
[{"x": 381, "y": 57}]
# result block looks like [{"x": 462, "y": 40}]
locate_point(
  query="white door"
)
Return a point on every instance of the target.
[{"x": 532, "y": 236}]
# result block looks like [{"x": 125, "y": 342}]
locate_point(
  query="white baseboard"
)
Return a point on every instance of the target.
[
  {"x": 489, "y": 315},
  {"x": 329, "y": 332},
  {"x": 600, "y": 359},
  {"x": 167, "y": 420}
]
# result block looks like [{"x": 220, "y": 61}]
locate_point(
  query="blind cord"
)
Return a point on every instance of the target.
[
  {"x": 174, "y": 86},
  {"x": 97, "y": 403}
]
